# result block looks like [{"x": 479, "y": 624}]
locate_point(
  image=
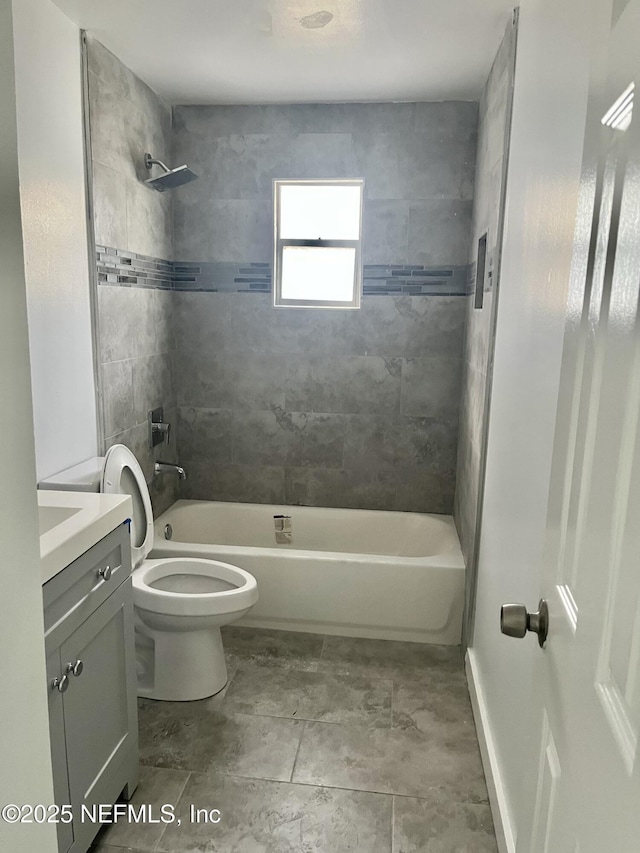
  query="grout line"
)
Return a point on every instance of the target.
[
  {"x": 324, "y": 643},
  {"x": 295, "y": 760},
  {"x": 335, "y": 787},
  {"x": 428, "y": 799},
  {"x": 360, "y": 725},
  {"x": 393, "y": 823},
  {"x": 177, "y": 800}
]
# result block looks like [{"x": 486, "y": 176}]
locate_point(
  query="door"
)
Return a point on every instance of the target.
[
  {"x": 99, "y": 706},
  {"x": 57, "y": 685},
  {"x": 587, "y": 683}
]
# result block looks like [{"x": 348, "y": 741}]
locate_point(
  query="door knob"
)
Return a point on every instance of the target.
[
  {"x": 60, "y": 684},
  {"x": 104, "y": 573},
  {"x": 75, "y": 668},
  {"x": 515, "y": 621}
]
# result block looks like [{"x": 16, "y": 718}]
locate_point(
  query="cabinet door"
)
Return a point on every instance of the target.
[
  {"x": 58, "y": 749},
  {"x": 100, "y": 705}
]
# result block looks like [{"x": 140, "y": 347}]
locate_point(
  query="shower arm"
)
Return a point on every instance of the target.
[{"x": 150, "y": 161}]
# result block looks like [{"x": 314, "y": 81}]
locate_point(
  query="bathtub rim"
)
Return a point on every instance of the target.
[{"x": 448, "y": 559}]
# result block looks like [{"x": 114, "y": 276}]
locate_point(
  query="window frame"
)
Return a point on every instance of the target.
[{"x": 281, "y": 242}]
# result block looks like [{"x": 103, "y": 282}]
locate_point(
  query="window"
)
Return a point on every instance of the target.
[{"x": 318, "y": 235}]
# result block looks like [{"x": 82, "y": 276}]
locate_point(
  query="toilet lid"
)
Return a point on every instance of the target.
[{"x": 122, "y": 475}]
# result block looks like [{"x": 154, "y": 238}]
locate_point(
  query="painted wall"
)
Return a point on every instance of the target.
[
  {"x": 492, "y": 151},
  {"x": 135, "y": 322},
  {"x": 320, "y": 407},
  {"x": 24, "y": 740},
  {"x": 52, "y": 186},
  {"x": 549, "y": 109}
]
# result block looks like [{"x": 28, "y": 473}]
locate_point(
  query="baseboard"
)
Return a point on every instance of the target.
[{"x": 505, "y": 835}]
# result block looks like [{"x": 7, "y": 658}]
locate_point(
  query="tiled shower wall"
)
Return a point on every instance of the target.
[
  {"x": 344, "y": 408},
  {"x": 492, "y": 153},
  {"x": 322, "y": 407},
  {"x": 135, "y": 323}
]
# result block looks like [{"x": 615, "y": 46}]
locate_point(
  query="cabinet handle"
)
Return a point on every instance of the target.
[
  {"x": 105, "y": 573},
  {"x": 75, "y": 668},
  {"x": 60, "y": 684}
]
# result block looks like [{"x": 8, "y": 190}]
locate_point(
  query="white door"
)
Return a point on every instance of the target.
[{"x": 586, "y": 696}]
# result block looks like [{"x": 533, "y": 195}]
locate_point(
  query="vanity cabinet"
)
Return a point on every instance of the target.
[{"x": 91, "y": 675}]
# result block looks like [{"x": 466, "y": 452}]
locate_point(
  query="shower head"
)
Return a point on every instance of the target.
[{"x": 171, "y": 178}]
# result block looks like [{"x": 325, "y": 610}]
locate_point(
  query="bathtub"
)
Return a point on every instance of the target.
[{"x": 356, "y": 573}]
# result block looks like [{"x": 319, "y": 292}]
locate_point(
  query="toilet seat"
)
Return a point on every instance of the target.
[
  {"x": 122, "y": 475},
  {"x": 241, "y": 595}
]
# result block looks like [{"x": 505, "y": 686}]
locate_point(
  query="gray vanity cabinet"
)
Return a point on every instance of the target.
[{"x": 92, "y": 684}]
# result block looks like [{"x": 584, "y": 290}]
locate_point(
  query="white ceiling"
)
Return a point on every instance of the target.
[{"x": 300, "y": 51}]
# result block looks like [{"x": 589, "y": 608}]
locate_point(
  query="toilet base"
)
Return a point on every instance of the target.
[{"x": 179, "y": 666}]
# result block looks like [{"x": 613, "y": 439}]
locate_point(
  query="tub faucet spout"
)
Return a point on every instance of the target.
[{"x": 163, "y": 467}]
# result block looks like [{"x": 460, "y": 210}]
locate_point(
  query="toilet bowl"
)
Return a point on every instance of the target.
[{"x": 179, "y": 603}]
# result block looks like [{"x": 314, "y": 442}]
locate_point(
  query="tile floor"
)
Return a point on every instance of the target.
[{"x": 317, "y": 745}]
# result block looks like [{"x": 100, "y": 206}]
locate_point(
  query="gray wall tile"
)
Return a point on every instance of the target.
[
  {"x": 340, "y": 487},
  {"x": 423, "y": 491},
  {"x": 152, "y": 385},
  {"x": 306, "y": 409},
  {"x": 454, "y": 119},
  {"x": 405, "y": 153},
  {"x": 492, "y": 145},
  {"x": 345, "y": 384},
  {"x": 206, "y": 432},
  {"x": 213, "y": 229},
  {"x": 439, "y": 231},
  {"x": 337, "y": 408},
  {"x": 209, "y": 122},
  {"x": 407, "y": 326},
  {"x": 431, "y": 387},
  {"x": 415, "y": 165},
  {"x": 135, "y": 325},
  {"x": 117, "y": 384},
  {"x": 272, "y": 367},
  {"x": 385, "y": 230},
  {"x": 109, "y": 206},
  {"x": 238, "y": 483},
  {"x": 370, "y": 442},
  {"x": 149, "y": 220},
  {"x": 230, "y": 380}
]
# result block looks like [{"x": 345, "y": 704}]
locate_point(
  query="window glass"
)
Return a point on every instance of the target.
[{"x": 318, "y": 274}]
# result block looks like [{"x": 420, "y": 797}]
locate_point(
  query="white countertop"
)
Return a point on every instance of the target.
[{"x": 72, "y": 522}]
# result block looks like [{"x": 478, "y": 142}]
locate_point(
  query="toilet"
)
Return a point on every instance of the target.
[{"x": 179, "y": 603}]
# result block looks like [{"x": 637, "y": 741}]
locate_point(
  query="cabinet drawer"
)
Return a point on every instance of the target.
[{"x": 73, "y": 594}]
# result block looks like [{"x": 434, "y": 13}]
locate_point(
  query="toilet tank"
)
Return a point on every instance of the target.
[{"x": 85, "y": 477}]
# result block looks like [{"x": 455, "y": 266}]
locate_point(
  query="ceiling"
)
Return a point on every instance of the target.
[{"x": 300, "y": 51}]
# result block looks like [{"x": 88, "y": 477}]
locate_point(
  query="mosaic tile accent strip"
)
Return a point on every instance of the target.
[
  {"x": 414, "y": 280},
  {"x": 128, "y": 269},
  {"x": 244, "y": 277}
]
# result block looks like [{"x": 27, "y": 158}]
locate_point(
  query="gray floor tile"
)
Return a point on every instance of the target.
[
  {"x": 99, "y": 847},
  {"x": 272, "y": 817},
  {"x": 190, "y": 736},
  {"x": 386, "y": 659},
  {"x": 391, "y": 761},
  {"x": 156, "y": 788},
  {"x": 439, "y": 704},
  {"x": 421, "y": 826},
  {"x": 289, "y": 649},
  {"x": 310, "y": 696}
]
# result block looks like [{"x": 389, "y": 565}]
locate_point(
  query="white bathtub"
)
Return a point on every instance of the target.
[{"x": 357, "y": 573}]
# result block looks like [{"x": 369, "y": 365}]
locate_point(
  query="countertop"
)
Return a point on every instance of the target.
[{"x": 72, "y": 522}]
